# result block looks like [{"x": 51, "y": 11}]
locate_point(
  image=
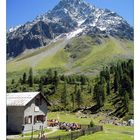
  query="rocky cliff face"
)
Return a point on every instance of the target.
[{"x": 67, "y": 17}]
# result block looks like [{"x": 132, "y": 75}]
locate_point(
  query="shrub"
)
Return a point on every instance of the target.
[{"x": 92, "y": 123}]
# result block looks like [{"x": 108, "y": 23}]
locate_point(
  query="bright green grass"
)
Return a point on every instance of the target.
[
  {"x": 112, "y": 132},
  {"x": 102, "y": 54},
  {"x": 67, "y": 117},
  {"x": 107, "y": 135},
  {"x": 58, "y": 60},
  {"x": 14, "y": 66},
  {"x": 58, "y": 133},
  {"x": 21, "y": 139}
]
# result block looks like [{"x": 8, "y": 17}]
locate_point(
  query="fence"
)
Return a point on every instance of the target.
[{"x": 75, "y": 135}]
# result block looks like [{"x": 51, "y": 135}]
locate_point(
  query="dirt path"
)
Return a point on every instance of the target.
[{"x": 54, "y": 129}]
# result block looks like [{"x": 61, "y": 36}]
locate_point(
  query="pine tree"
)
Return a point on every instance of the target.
[
  {"x": 56, "y": 79},
  {"x": 98, "y": 94},
  {"x": 13, "y": 81},
  {"x": 108, "y": 88},
  {"x": 30, "y": 78},
  {"x": 107, "y": 74},
  {"x": 116, "y": 83},
  {"x": 73, "y": 96},
  {"x": 103, "y": 92},
  {"x": 131, "y": 69},
  {"x": 83, "y": 80},
  {"x": 112, "y": 69},
  {"x": 73, "y": 100},
  {"x": 102, "y": 80},
  {"x": 126, "y": 101},
  {"x": 127, "y": 85},
  {"x": 103, "y": 88},
  {"x": 64, "y": 96},
  {"x": 79, "y": 97},
  {"x": 49, "y": 76},
  {"x": 119, "y": 71},
  {"x": 20, "y": 80},
  {"x": 91, "y": 123},
  {"x": 24, "y": 78},
  {"x": 62, "y": 77}
]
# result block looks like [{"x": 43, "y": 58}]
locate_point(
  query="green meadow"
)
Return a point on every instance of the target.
[{"x": 110, "y": 132}]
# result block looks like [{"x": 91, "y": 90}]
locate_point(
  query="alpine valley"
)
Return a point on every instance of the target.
[{"x": 80, "y": 58}]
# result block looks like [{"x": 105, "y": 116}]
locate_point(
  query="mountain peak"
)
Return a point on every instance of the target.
[
  {"x": 72, "y": 11},
  {"x": 71, "y": 1},
  {"x": 65, "y": 3}
]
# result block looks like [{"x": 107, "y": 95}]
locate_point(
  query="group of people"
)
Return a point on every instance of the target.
[
  {"x": 53, "y": 123},
  {"x": 69, "y": 126},
  {"x": 64, "y": 125}
]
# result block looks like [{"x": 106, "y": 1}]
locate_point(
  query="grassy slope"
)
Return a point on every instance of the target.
[
  {"x": 90, "y": 57},
  {"x": 112, "y": 132},
  {"x": 37, "y": 57},
  {"x": 111, "y": 50},
  {"x": 58, "y": 60}
]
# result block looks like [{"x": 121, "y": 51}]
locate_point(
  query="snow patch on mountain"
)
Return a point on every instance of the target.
[
  {"x": 14, "y": 28},
  {"x": 74, "y": 33},
  {"x": 80, "y": 22},
  {"x": 102, "y": 28}
]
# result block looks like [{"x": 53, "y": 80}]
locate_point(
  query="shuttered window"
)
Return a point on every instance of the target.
[{"x": 28, "y": 120}]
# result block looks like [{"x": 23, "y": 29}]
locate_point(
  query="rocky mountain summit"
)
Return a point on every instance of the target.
[{"x": 69, "y": 17}]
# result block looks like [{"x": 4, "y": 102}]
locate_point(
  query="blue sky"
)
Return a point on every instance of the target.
[{"x": 21, "y": 11}]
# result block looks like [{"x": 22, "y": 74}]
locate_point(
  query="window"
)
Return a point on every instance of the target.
[
  {"x": 36, "y": 109},
  {"x": 39, "y": 119},
  {"x": 28, "y": 120},
  {"x": 38, "y": 101}
]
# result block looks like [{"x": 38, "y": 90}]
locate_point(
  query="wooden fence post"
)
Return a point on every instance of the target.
[
  {"x": 71, "y": 136},
  {"x": 83, "y": 132},
  {"x": 32, "y": 134},
  {"x": 101, "y": 128}
]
